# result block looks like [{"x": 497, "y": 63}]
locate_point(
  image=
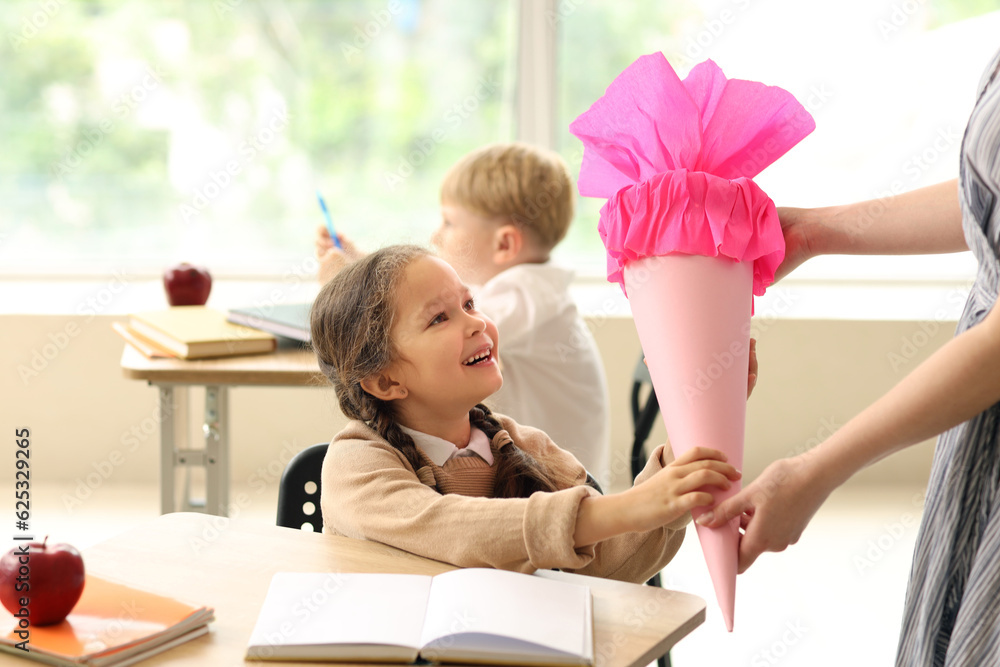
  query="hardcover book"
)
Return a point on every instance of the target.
[
  {"x": 290, "y": 320},
  {"x": 197, "y": 332}
]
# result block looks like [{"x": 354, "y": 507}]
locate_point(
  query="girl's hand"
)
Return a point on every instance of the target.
[
  {"x": 678, "y": 488},
  {"x": 774, "y": 509},
  {"x": 752, "y": 371}
]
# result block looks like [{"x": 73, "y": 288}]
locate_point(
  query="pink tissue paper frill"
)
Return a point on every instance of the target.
[
  {"x": 675, "y": 159},
  {"x": 693, "y": 213}
]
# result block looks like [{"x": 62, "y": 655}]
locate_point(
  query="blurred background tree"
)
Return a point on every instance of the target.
[{"x": 140, "y": 133}]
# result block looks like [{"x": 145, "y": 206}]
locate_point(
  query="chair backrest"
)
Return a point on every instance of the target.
[
  {"x": 594, "y": 484},
  {"x": 299, "y": 489},
  {"x": 643, "y": 415},
  {"x": 300, "y": 485}
]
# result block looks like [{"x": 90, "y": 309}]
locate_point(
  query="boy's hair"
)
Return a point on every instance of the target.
[
  {"x": 351, "y": 325},
  {"x": 527, "y": 184}
]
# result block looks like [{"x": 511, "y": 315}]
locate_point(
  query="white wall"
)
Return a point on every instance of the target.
[{"x": 89, "y": 423}]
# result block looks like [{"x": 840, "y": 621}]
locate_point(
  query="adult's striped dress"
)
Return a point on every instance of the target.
[{"x": 952, "y": 611}]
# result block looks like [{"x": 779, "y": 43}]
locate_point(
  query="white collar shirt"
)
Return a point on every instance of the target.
[{"x": 440, "y": 451}]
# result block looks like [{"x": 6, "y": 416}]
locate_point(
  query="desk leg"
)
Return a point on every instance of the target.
[
  {"x": 173, "y": 437},
  {"x": 216, "y": 431},
  {"x": 177, "y": 458},
  {"x": 166, "y": 449}
]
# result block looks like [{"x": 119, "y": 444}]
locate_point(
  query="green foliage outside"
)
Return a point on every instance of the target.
[
  {"x": 142, "y": 133},
  {"x": 139, "y": 133}
]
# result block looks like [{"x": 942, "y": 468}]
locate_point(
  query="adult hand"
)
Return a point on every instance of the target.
[
  {"x": 662, "y": 499},
  {"x": 678, "y": 488},
  {"x": 333, "y": 259},
  {"x": 800, "y": 239},
  {"x": 774, "y": 509}
]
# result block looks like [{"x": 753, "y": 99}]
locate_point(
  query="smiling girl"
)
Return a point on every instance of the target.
[{"x": 425, "y": 467}]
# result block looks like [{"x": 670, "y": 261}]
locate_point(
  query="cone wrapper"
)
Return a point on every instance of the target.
[
  {"x": 693, "y": 318},
  {"x": 691, "y": 238},
  {"x": 675, "y": 159}
]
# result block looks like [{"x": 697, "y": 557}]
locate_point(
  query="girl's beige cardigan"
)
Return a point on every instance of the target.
[{"x": 371, "y": 492}]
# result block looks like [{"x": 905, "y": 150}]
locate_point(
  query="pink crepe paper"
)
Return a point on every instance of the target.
[{"x": 675, "y": 159}]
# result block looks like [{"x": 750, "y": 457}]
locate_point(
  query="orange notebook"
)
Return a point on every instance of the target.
[{"x": 112, "y": 624}]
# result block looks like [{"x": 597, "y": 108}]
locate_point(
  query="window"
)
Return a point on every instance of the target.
[
  {"x": 139, "y": 134},
  {"x": 890, "y": 84}
]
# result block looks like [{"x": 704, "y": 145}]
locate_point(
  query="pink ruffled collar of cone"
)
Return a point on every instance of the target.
[{"x": 675, "y": 159}]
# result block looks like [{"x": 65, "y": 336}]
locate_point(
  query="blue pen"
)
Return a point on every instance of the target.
[{"x": 329, "y": 221}]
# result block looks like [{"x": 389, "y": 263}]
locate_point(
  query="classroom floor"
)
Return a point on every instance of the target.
[{"x": 834, "y": 598}]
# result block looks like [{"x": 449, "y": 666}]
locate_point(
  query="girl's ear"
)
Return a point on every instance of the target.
[
  {"x": 383, "y": 387},
  {"x": 508, "y": 240}
]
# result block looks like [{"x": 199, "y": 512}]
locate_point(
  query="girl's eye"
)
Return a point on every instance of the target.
[
  {"x": 470, "y": 305},
  {"x": 438, "y": 319}
]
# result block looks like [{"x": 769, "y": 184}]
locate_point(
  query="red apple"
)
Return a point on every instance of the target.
[
  {"x": 187, "y": 285},
  {"x": 49, "y": 579}
]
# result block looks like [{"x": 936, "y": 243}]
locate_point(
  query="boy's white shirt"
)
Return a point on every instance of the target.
[{"x": 553, "y": 378}]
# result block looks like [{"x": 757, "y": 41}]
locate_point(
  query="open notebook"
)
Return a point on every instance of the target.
[{"x": 471, "y": 615}]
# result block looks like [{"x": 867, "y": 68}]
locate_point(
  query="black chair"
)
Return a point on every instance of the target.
[
  {"x": 643, "y": 415},
  {"x": 643, "y": 419},
  {"x": 298, "y": 490},
  {"x": 300, "y": 485},
  {"x": 594, "y": 484}
]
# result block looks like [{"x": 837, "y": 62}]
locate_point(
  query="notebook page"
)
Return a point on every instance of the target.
[
  {"x": 305, "y": 608},
  {"x": 554, "y": 615}
]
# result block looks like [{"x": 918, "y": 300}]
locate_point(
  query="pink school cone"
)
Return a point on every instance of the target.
[
  {"x": 691, "y": 238},
  {"x": 693, "y": 318}
]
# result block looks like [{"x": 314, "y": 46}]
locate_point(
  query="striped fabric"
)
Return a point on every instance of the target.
[{"x": 952, "y": 612}]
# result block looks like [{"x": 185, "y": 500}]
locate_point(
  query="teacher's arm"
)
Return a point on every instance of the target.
[
  {"x": 957, "y": 382},
  {"x": 923, "y": 221}
]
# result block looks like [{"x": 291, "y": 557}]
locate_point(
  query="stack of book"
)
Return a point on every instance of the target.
[
  {"x": 289, "y": 320},
  {"x": 112, "y": 625},
  {"x": 192, "y": 332}
]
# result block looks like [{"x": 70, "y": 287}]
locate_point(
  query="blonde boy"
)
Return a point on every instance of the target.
[{"x": 504, "y": 208}]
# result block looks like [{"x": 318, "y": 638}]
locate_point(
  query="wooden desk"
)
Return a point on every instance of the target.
[
  {"x": 227, "y": 564},
  {"x": 293, "y": 367}
]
